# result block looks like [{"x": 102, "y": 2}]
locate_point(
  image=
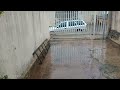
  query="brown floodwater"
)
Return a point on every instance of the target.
[{"x": 79, "y": 59}]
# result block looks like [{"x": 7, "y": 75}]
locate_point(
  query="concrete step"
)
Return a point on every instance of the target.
[{"x": 69, "y": 37}]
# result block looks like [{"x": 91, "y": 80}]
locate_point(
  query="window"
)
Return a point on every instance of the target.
[
  {"x": 63, "y": 24},
  {"x": 80, "y": 22},
  {"x": 72, "y": 23}
]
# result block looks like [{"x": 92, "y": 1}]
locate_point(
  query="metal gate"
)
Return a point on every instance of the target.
[{"x": 83, "y": 23}]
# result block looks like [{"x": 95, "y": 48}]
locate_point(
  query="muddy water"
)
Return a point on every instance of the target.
[{"x": 79, "y": 59}]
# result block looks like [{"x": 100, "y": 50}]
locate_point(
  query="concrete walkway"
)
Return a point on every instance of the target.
[{"x": 79, "y": 59}]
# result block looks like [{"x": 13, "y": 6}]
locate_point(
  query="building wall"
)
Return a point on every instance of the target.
[
  {"x": 51, "y": 15},
  {"x": 115, "y": 23},
  {"x": 116, "y": 20},
  {"x": 21, "y": 32},
  {"x": 87, "y": 16}
]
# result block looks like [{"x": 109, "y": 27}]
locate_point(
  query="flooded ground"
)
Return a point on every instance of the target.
[{"x": 79, "y": 59}]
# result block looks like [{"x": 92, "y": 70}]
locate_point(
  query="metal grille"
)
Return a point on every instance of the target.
[{"x": 81, "y": 22}]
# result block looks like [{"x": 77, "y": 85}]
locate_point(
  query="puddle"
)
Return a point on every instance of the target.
[{"x": 79, "y": 59}]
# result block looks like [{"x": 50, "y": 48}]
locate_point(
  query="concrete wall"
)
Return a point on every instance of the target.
[
  {"x": 21, "y": 32},
  {"x": 87, "y": 16},
  {"x": 116, "y": 20},
  {"x": 115, "y": 23},
  {"x": 51, "y": 15}
]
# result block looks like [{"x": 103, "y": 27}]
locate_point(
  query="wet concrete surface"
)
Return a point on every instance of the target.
[{"x": 79, "y": 59}]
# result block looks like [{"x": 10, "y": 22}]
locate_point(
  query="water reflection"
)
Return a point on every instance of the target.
[{"x": 80, "y": 59}]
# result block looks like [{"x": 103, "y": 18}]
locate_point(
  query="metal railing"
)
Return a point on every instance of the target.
[{"x": 96, "y": 22}]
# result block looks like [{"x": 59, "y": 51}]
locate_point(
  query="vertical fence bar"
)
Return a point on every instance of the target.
[
  {"x": 103, "y": 29},
  {"x": 98, "y": 26},
  {"x": 84, "y": 20},
  {"x": 96, "y": 30},
  {"x": 77, "y": 14},
  {"x": 89, "y": 32},
  {"x": 86, "y": 31},
  {"x": 94, "y": 24},
  {"x": 66, "y": 20},
  {"x": 107, "y": 22},
  {"x": 87, "y": 22},
  {"x": 69, "y": 19},
  {"x": 57, "y": 19},
  {"x": 90, "y": 22},
  {"x": 74, "y": 19},
  {"x": 102, "y": 20}
]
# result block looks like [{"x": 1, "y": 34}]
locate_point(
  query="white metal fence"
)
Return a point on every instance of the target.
[{"x": 66, "y": 22}]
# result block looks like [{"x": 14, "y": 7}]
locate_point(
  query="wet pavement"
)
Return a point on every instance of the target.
[{"x": 79, "y": 59}]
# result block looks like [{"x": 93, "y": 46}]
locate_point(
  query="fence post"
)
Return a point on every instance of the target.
[{"x": 94, "y": 25}]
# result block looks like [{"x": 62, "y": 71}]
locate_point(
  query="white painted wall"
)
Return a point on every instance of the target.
[
  {"x": 115, "y": 23},
  {"x": 116, "y": 20},
  {"x": 21, "y": 32}
]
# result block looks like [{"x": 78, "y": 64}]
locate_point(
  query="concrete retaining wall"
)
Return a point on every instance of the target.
[{"x": 21, "y": 32}]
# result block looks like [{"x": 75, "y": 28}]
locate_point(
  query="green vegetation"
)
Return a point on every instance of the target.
[
  {"x": 4, "y": 77},
  {"x": 1, "y": 12}
]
